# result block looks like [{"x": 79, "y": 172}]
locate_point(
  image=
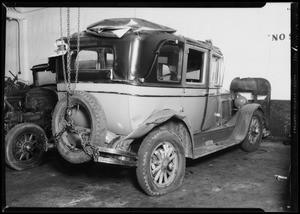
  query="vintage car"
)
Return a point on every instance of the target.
[
  {"x": 27, "y": 118},
  {"x": 148, "y": 98}
]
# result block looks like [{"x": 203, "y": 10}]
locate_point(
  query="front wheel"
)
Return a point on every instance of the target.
[
  {"x": 255, "y": 132},
  {"x": 24, "y": 146},
  {"x": 161, "y": 163}
]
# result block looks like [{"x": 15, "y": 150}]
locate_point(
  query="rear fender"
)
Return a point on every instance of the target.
[
  {"x": 157, "y": 119},
  {"x": 242, "y": 121}
]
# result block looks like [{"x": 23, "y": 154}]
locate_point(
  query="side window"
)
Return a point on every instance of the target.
[
  {"x": 168, "y": 69},
  {"x": 195, "y": 66},
  {"x": 215, "y": 71},
  {"x": 102, "y": 58}
]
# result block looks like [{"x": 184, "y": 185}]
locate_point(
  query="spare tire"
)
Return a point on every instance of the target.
[{"x": 87, "y": 113}]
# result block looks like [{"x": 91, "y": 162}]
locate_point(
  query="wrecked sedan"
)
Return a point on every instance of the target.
[{"x": 147, "y": 98}]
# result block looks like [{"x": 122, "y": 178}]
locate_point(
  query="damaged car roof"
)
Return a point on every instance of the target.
[
  {"x": 120, "y": 27},
  {"x": 117, "y": 27}
]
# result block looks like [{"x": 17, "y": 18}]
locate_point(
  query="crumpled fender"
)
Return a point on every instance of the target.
[
  {"x": 242, "y": 121},
  {"x": 156, "y": 119}
]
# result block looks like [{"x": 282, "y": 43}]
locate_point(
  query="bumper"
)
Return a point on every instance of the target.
[{"x": 115, "y": 156}]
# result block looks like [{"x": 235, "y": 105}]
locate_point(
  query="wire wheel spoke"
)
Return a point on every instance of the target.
[
  {"x": 168, "y": 150},
  {"x": 165, "y": 177},
  {"x": 158, "y": 155},
  {"x": 26, "y": 147},
  {"x": 254, "y": 130},
  {"x": 157, "y": 175},
  {"x": 155, "y": 169},
  {"x": 161, "y": 176},
  {"x": 30, "y": 137},
  {"x": 21, "y": 156}
]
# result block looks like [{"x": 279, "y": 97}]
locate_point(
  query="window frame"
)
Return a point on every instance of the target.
[
  {"x": 211, "y": 83},
  {"x": 98, "y": 52},
  {"x": 179, "y": 65},
  {"x": 204, "y": 66}
]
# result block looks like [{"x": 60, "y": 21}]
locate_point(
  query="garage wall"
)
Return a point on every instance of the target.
[
  {"x": 255, "y": 41},
  {"x": 11, "y": 57}
]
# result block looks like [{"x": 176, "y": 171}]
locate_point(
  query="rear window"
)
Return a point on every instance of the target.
[{"x": 93, "y": 64}]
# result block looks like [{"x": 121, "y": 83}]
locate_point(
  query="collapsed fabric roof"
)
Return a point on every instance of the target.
[{"x": 117, "y": 27}]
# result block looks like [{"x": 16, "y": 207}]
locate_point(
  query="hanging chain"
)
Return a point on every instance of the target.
[
  {"x": 69, "y": 112},
  {"x": 61, "y": 38},
  {"x": 78, "y": 46},
  {"x": 88, "y": 148},
  {"x": 68, "y": 51},
  {"x": 67, "y": 74},
  {"x": 67, "y": 77}
]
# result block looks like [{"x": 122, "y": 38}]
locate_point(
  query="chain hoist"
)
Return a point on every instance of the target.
[
  {"x": 67, "y": 72},
  {"x": 68, "y": 122}
]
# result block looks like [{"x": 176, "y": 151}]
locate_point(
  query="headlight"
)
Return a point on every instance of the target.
[
  {"x": 61, "y": 47},
  {"x": 240, "y": 101}
]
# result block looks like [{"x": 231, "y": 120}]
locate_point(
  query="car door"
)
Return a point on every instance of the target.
[
  {"x": 194, "y": 85},
  {"x": 213, "y": 107}
]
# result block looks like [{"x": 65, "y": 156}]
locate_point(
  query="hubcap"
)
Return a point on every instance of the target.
[{"x": 164, "y": 164}]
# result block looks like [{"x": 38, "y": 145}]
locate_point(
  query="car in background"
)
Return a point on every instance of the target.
[{"x": 27, "y": 118}]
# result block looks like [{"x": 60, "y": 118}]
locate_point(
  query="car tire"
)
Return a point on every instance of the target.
[
  {"x": 87, "y": 113},
  {"x": 161, "y": 163},
  {"x": 25, "y": 146},
  {"x": 253, "y": 138}
]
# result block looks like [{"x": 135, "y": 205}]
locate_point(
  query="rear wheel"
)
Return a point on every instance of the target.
[
  {"x": 254, "y": 135},
  {"x": 88, "y": 117},
  {"x": 161, "y": 163},
  {"x": 25, "y": 146}
]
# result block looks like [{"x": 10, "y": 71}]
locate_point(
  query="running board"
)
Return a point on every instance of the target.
[{"x": 213, "y": 147}]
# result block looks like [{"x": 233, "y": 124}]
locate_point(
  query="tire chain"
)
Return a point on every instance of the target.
[
  {"x": 58, "y": 135},
  {"x": 86, "y": 145}
]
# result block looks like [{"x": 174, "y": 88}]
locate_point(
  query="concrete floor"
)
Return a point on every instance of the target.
[{"x": 227, "y": 179}]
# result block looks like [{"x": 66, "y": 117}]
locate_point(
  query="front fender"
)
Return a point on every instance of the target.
[
  {"x": 156, "y": 119},
  {"x": 242, "y": 121}
]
